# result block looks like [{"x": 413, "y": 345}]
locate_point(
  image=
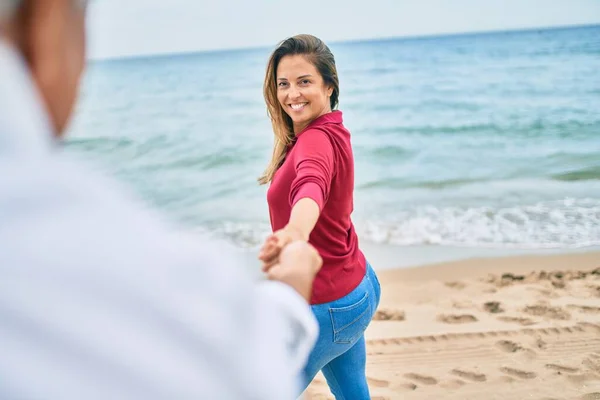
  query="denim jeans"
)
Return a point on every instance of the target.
[{"x": 340, "y": 350}]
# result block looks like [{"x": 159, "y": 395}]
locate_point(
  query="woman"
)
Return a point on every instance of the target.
[{"x": 311, "y": 176}]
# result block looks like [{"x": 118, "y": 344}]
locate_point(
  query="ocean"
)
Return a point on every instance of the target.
[{"x": 485, "y": 140}]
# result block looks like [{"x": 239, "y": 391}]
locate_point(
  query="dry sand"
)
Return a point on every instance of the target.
[{"x": 504, "y": 328}]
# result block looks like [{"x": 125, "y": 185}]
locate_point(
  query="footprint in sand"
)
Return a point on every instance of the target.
[
  {"x": 471, "y": 376},
  {"x": 507, "y": 279},
  {"x": 518, "y": 373},
  {"x": 517, "y": 320},
  {"x": 592, "y": 362},
  {"x": 591, "y": 396},
  {"x": 541, "y": 310},
  {"x": 511, "y": 347},
  {"x": 508, "y": 346},
  {"x": 585, "y": 309},
  {"x": 378, "y": 382},
  {"x": 562, "y": 369},
  {"x": 424, "y": 379},
  {"x": 389, "y": 315},
  {"x": 455, "y": 285},
  {"x": 456, "y": 319},
  {"x": 493, "y": 307},
  {"x": 540, "y": 344},
  {"x": 407, "y": 386}
]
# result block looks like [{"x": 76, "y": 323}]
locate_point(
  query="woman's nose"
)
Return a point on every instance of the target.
[{"x": 294, "y": 93}]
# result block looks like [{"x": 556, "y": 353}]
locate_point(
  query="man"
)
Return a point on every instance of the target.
[{"x": 99, "y": 297}]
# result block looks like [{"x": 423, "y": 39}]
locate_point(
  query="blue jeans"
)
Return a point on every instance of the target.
[{"x": 340, "y": 350}]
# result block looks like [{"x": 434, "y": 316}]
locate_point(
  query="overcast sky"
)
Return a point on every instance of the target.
[{"x": 133, "y": 27}]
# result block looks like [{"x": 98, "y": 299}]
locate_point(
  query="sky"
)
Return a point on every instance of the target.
[{"x": 119, "y": 28}]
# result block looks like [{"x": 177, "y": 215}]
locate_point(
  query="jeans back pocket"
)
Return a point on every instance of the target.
[{"x": 350, "y": 322}]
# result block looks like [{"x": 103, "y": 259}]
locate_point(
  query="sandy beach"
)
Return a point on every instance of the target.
[{"x": 525, "y": 327}]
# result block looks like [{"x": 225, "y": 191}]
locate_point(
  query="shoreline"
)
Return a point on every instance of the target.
[
  {"x": 423, "y": 262},
  {"x": 385, "y": 257},
  {"x": 479, "y": 267}
]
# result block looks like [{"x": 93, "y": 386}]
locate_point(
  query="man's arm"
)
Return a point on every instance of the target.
[
  {"x": 100, "y": 300},
  {"x": 286, "y": 324}
]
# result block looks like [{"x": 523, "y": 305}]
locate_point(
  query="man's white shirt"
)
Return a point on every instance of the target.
[{"x": 101, "y": 298}]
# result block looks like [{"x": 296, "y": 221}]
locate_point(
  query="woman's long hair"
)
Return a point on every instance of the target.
[{"x": 317, "y": 53}]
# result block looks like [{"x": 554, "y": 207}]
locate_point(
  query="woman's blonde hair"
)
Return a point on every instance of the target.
[{"x": 317, "y": 53}]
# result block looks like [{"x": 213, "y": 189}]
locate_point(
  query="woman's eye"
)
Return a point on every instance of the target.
[
  {"x": 282, "y": 84},
  {"x": 305, "y": 81}
]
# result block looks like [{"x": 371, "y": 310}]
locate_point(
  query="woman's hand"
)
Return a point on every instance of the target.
[
  {"x": 297, "y": 266},
  {"x": 271, "y": 249}
]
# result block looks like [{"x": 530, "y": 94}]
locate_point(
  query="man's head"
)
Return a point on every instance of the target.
[{"x": 50, "y": 35}]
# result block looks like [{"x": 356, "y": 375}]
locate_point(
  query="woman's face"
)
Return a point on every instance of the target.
[{"x": 301, "y": 91}]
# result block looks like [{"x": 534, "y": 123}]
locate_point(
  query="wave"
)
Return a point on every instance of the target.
[
  {"x": 530, "y": 130},
  {"x": 584, "y": 174},
  {"x": 199, "y": 162},
  {"x": 569, "y": 223},
  {"x": 402, "y": 183}
]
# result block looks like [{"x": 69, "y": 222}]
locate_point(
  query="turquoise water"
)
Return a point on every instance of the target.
[{"x": 487, "y": 140}]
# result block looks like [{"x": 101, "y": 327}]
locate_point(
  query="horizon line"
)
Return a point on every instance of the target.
[{"x": 343, "y": 42}]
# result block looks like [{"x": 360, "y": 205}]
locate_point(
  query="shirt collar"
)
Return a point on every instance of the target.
[{"x": 334, "y": 117}]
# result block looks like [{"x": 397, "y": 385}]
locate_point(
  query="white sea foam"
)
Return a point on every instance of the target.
[{"x": 570, "y": 223}]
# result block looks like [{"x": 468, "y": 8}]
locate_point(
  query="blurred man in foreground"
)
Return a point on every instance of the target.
[{"x": 99, "y": 297}]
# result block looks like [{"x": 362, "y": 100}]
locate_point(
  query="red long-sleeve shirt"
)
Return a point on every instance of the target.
[{"x": 320, "y": 166}]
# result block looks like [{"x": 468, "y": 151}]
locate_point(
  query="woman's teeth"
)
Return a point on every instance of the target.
[{"x": 297, "y": 106}]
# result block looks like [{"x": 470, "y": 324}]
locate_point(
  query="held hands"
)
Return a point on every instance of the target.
[
  {"x": 269, "y": 253},
  {"x": 291, "y": 260},
  {"x": 297, "y": 267}
]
